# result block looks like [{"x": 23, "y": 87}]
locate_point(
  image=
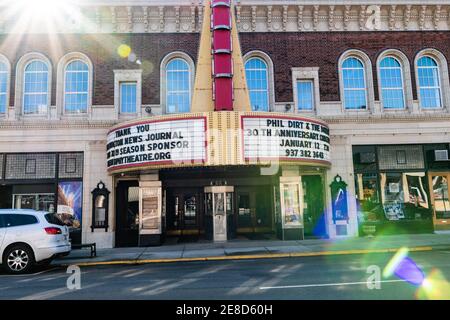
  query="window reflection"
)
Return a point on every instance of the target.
[
  {"x": 440, "y": 194},
  {"x": 367, "y": 196},
  {"x": 404, "y": 195}
]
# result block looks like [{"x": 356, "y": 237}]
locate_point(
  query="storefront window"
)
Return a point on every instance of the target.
[
  {"x": 404, "y": 196},
  {"x": 367, "y": 195},
  {"x": 440, "y": 194},
  {"x": 41, "y": 202}
]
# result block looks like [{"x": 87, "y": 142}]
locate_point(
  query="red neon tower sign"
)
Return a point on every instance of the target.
[{"x": 222, "y": 62}]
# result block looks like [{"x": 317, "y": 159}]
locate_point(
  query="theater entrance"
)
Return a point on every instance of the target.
[
  {"x": 127, "y": 213},
  {"x": 184, "y": 212},
  {"x": 254, "y": 211}
]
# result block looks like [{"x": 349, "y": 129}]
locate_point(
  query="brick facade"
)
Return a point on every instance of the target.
[
  {"x": 287, "y": 50},
  {"x": 323, "y": 50}
]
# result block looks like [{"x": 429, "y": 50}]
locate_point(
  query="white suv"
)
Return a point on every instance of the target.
[{"x": 28, "y": 237}]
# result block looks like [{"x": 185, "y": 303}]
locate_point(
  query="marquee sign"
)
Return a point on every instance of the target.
[
  {"x": 284, "y": 138},
  {"x": 179, "y": 142}
]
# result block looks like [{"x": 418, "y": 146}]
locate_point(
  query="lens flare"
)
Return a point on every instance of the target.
[
  {"x": 394, "y": 262},
  {"x": 408, "y": 270},
  {"x": 434, "y": 287},
  {"x": 124, "y": 51},
  {"x": 404, "y": 268},
  {"x": 132, "y": 57}
]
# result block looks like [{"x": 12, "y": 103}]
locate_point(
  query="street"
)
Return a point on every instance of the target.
[{"x": 326, "y": 277}]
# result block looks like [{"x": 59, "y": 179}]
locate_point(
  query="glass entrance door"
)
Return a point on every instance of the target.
[
  {"x": 253, "y": 210},
  {"x": 127, "y": 214},
  {"x": 313, "y": 207},
  {"x": 184, "y": 207},
  {"x": 439, "y": 183}
]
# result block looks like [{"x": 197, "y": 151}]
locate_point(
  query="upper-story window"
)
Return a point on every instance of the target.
[
  {"x": 391, "y": 81},
  {"x": 36, "y": 85},
  {"x": 128, "y": 97},
  {"x": 429, "y": 83},
  {"x": 4, "y": 79},
  {"x": 305, "y": 95},
  {"x": 74, "y": 95},
  {"x": 76, "y": 87},
  {"x": 256, "y": 72},
  {"x": 354, "y": 82},
  {"x": 178, "y": 86}
]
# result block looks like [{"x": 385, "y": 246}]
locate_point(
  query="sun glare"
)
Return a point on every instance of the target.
[
  {"x": 46, "y": 16},
  {"x": 42, "y": 8}
]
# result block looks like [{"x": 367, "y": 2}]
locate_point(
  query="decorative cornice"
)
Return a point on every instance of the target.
[
  {"x": 59, "y": 124},
  {"x": 254, "y": 16},
  {"x": 385, "y": 118},
  {"x": 341, "y": 16}
]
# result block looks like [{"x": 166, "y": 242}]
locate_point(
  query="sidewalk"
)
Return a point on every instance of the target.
[{"x": 253, "y": 249}]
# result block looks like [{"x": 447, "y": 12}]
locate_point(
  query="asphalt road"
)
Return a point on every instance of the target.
[{"x": 332, "y": 277}]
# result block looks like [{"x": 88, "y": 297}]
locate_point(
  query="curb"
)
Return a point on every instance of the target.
[{"x": 246, "y": 257}]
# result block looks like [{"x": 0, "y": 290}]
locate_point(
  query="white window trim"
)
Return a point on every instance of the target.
[
  {"x": 368, "y": 81},
  {"x": 5, "y": 60},
  {"x": 163, "y": 80},
  {"x": 443, "y": 80},
  {"x": 270, "y": 75},
  {"x": 20, "y": 78},
  {"x": 306, "y": 74},
  {"x": 130, "y": 75},
  {"x": 408, "y": 100},
  {"x": 61, "y": 84}
]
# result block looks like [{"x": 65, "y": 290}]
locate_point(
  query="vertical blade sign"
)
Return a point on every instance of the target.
[{"x": 221, "y": 51}]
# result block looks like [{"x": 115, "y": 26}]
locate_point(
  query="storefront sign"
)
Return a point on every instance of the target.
[
  {"x": 285, "y": 139},
  {"x": 173, "y": 141}
]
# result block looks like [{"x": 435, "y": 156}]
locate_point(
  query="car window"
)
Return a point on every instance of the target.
[
  {"x": 2, "y": 223},
  {"x": 53, "y": 219},
  {"x": 15, "y": 220}
]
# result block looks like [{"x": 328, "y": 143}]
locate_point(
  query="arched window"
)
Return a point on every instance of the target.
[
  {"x": 256, "y": 72},
  {"x": 35, "y": 89},
  {"x": 4, "y": 77},
  {"x": 76, "y": 87},
  {"x": 429, "y": 83},
  {"x": 178, "y": 86},
  {"x": 354, "y": 84},
  {"x": 391, "y": 81}
]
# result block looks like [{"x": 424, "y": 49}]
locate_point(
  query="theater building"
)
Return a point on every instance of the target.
[{"x": 154, "y": 122}]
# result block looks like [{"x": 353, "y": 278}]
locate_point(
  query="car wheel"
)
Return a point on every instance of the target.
[{"x": 18, "y": 259}]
